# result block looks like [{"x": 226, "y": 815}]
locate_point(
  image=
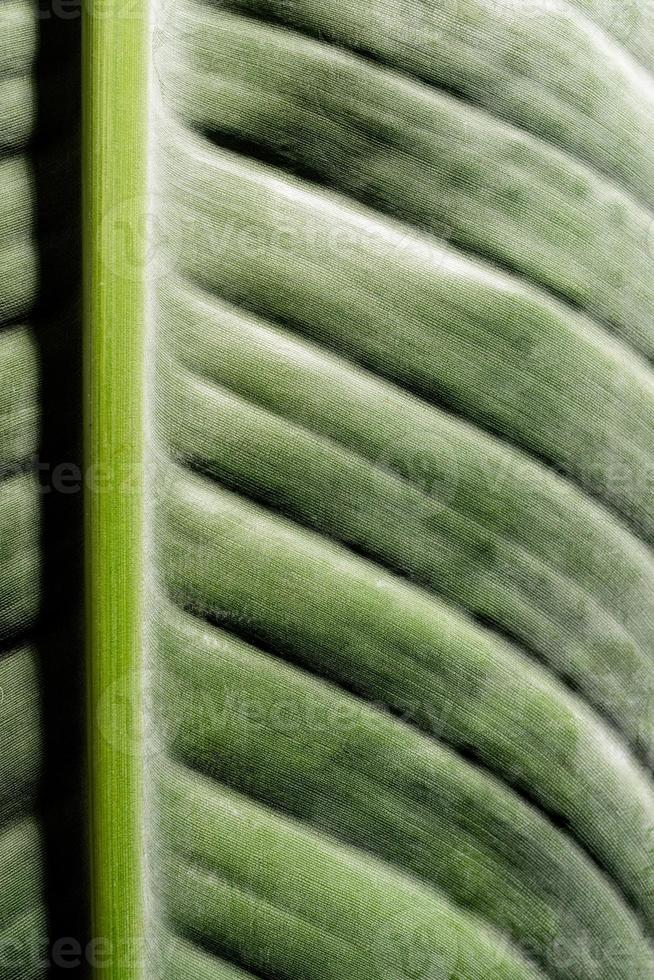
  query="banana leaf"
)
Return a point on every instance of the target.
[{"x": 326, "y": 490}]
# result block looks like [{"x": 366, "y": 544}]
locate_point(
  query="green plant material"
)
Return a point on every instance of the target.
[
  {"x": 629, "y": 23},
  {"x": 541, "y": 66},
  {"x": 22, "y": 912},
  {"x": 368, "y": 443},
  {"x": 40, "y": 794},
  {"x": 115, "y": 79},
  {"x": 21, "y": 733},
  {"x": 243, "y": 717},
  {"x": 331, "y": 911},
  {"x": 18, "y": 396},
  {"x": 398, "y": 302},
  {"x": 419, "y": 518},
  {"x": 176, "y": 959},
  {"x": 404, "y": 606},
  {"x": 408, "y": 149},
  {"x": 376, "y": 635}
]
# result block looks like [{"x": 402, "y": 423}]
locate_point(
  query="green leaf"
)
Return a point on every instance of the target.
[{"x": 326, "y": 528}]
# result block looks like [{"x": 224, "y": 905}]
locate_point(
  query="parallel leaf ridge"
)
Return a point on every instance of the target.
[
  {"x": 41, "y": 871},
  {"x": 402, "y": 628}
]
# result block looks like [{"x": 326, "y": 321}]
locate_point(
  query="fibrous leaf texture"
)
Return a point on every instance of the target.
[
  {"x": 41, "y": 826},
  {"x": 396, "y": 666}
]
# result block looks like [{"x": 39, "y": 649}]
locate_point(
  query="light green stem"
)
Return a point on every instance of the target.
[{"x": 115, "y": 44}]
